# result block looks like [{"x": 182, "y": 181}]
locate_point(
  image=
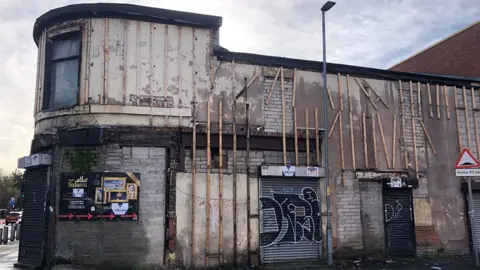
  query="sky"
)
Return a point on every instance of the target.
[{"x": 372, "y": 33}]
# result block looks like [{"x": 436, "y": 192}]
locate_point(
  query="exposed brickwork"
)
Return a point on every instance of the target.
[
  {"x": 257, "y": 158},
  {"x": 454, "y": 56},
  {"x": 350, "y": 232},
  {"x": 273, "y": 110}
]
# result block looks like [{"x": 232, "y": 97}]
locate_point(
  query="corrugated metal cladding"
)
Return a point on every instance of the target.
[
  {"x": 399, "y": 224},
  {"x": 476, "y": 217},
  {"x": 290, "y": 217},
  {"x": 32, "y": 233}
]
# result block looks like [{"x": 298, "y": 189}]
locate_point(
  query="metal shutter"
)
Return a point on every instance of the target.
[
  {"x": 476, "y": 216},
  {"x": 32, "y": 233},
  {"x": 290, "y": 220},
  {"x": 399, "y": 225}
]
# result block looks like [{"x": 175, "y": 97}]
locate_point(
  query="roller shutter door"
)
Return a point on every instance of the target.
[
  {"x": 33, "y": 229},
  {"x": 399, "y": 224},
  {"x": 290, "y": 220}
]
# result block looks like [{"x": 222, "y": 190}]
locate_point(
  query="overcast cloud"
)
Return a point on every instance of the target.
[{"x": 374, "y": 33}]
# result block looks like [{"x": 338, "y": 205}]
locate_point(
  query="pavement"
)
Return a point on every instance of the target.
[{"x": 8, "y": 255}]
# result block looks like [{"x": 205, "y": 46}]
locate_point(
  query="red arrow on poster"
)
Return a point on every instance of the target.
[
  {"x": 69, "y": 216},
  {"x": 89, "y": 216},
  {"x": 133, "y": 215},
  {"x": 111, "y": 216}
]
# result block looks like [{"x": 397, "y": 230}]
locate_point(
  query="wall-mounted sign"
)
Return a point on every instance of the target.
[
  {"x": 292, "y": 171},
  {"x": 99, "y": 196}
]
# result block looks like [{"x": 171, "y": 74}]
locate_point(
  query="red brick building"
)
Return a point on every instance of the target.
[{"x": 458, "y": 54}]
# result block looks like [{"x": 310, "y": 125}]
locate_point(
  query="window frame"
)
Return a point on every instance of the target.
[{"x": 48, "y": 92}]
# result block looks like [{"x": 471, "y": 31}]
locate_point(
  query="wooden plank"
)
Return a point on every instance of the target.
[
  {"x": 340, "y": 96},
  {"x": 366, "y": 93},
  {"x": 430, "y": 108},
  {"x": 365, "y": 146},
  {"x": 402, "y": 111},
  {"x": 447, "y": 105},
  {"x": 459, "y": 138},
  {"x": 317, "y": 139},
  {"x": 438, "y": 100},
  {"x": 220, "y": 179},
  {"x": 385, "y": 149},
  {"x": 419, "y": 98},
  {"x": 414, "y": 133},
  {"x": 207, "y": 202},
  {"x": 374, "y": 135},
  {"x": 475, "y": 125},
  {"x": 307, "y": 140},
  {"x": 354, "y": 166},
  {"x": 294, "y": 91},
  {"x": 330, "y": 99},
  {"x": 284, "y": 138},
  {"x": 194, "y": 170},
  {"x": 295, "y": 131},
  {"x": 466, "y": 117},
  {"x": 340, "y": 128},
  {"x": 394, "y": 141},
  {"x": 430, "y": 142},
  {"x": 333, "y": 124}
]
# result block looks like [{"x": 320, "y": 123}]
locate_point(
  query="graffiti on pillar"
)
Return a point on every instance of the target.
[{"x": 290, "y": 218}]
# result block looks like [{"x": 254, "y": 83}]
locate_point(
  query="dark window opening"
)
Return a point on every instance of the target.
[
  {"x": 62, "y": 71},
  {"x": 216, "y": 158}
]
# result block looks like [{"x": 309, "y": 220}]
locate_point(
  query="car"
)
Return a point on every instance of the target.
[{"x": 14, "y": 217}]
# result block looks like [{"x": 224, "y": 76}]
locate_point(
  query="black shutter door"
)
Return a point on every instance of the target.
[
  {"x": 32, "y": 233},
  {"x": 399, "y": 224}
]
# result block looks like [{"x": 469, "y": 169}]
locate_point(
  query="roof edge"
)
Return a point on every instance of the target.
[
  {"x": 435, "y": 44},
  {"x": 275, "y": 61},
  {"x": 123, "y": 11}
]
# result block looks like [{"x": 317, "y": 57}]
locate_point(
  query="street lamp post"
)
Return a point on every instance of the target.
[{"x": 326, "y": 7}]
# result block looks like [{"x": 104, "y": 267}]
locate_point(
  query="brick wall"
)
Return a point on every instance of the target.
[
  {"x": 257, "y": 158},
  {"x": 119, "y": 243},
  {"x": 349, "y": 224},
  {"x": 454, "y": 56},
  {"x": 372, "y": 216},
  {"x": 273, "y": 110}
]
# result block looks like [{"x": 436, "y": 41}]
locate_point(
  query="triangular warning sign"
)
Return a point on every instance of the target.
[{"x": 466, "y": 160}]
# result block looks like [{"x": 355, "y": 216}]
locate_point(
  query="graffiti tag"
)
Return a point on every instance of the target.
[
  {"x": 290, "y": 218},
  {"x": 391, "y": 212}
]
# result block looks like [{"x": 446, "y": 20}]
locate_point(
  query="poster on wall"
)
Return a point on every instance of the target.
[{"x": 99, "y": 196}]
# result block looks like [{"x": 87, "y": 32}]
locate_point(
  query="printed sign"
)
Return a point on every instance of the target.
[
  {"x": 95, "y": 196},
  {"x": 288, "y": 171}
]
